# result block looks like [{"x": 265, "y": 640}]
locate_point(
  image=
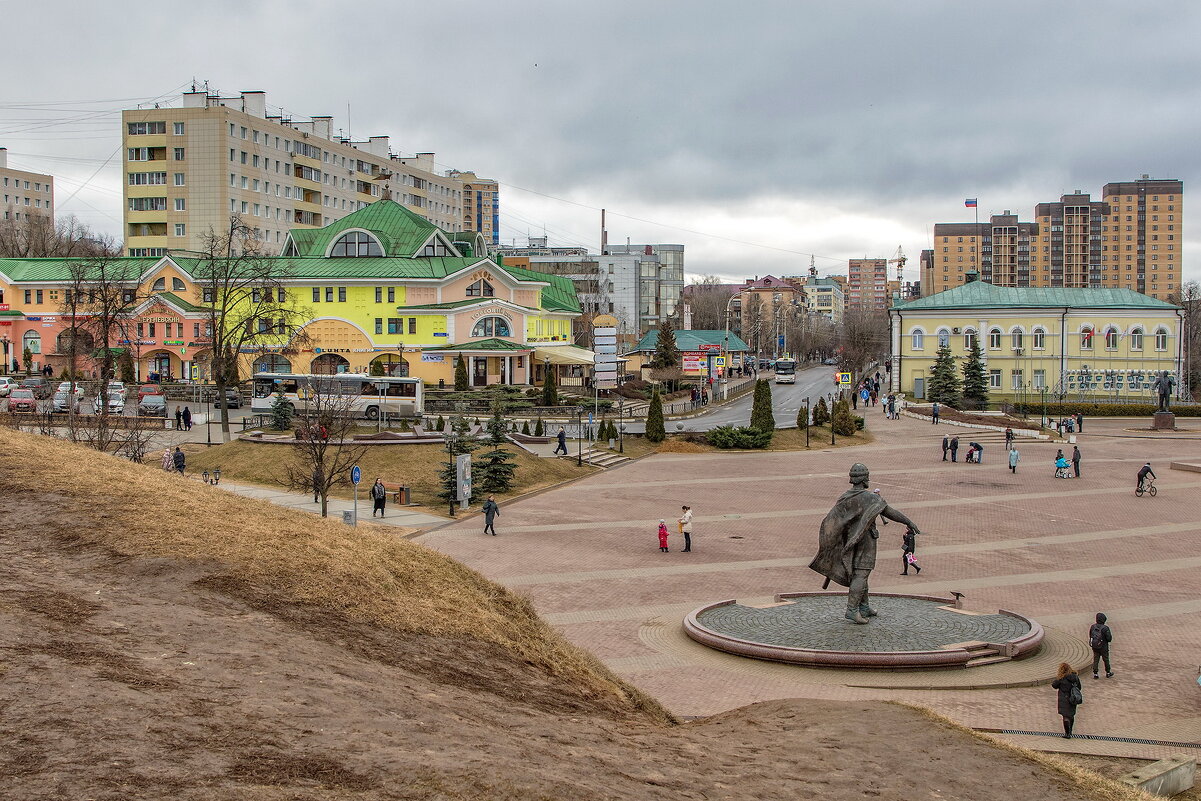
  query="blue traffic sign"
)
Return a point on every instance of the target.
[{"x": 356, "y": 475}]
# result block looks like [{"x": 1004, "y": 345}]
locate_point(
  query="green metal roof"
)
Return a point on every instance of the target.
[
  {"x": 979, "y": 294},
  {"x": 481, "y": 344},
  {"x": 458, "y": 304},
  {"x": 59, "y": 269},
  {"x": 691, "y": 340},
  {"x": 180, "y": 303},
  {"x": 400, "y": 231},
  {"x": 559, "y": 296}
]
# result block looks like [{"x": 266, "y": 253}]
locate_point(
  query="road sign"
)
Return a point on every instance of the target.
[
  {"x": 844, "y": 378},
  {"x": 356, "y": 475},
  {"x": 720, "y": 361}
]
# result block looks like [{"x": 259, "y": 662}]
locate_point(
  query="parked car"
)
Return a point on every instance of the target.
[
  {"x": 153, "y": 406},
  {"x": 66, "y": 401},
  {"x": 830, "y": 361},
  {"x": 115, "y": 386},
  {"x": 148, "y": 389},
  {"x": 7, "y": 385},
  {"x": 37, "y": 385},
  {"x": 233, "y": 398},
  {"x": 65, "y": 387},
  {"x": 116, "y": 403},
  {"x": 22, "y": 400}
]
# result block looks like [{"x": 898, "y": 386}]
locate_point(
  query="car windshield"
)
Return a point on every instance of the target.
[
  {"x": 22, "y": 393},
  {"x": 154, "y": 400}
]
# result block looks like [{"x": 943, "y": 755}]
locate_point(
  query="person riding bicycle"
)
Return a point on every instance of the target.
[{"x": 1143, "y": 472}]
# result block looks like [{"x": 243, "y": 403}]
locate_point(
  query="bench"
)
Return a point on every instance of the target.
[{"x": 399, "y": 492}]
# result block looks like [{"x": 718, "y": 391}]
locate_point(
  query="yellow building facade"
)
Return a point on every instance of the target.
[{"x": 1091, "y": 344}]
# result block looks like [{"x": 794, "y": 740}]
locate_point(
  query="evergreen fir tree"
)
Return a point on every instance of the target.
[
  {"x": 943, "y": 386},
  {"x": 125, "y": 367},
  {"x": 497, "y": 430},
  {"x": 802, "y": 419},
  {"x": 821, "y": 412},
  {"x": 761, "y": 414},
  {"x": 281, "y": 413},
  {"x": 666, "y": 353},
  {"x": 655, "y": 429},
  {"x": 440, "y": 425},
  {"x": 461, "y": 384},
  {"x": 844, "y": 421},
  {"x": 975, "y": 380},
  {"x": 539, "y": 431},
  {"x": 525, "y": 427},
  {"x": 495, "y": 471},
  {"x": 550, "y": 393}
]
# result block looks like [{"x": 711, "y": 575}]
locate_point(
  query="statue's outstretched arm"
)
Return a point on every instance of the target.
[{"x": 893, "y": 514}]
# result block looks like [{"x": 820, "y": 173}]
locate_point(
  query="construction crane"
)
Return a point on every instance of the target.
[{"x": 899, "y": 260}]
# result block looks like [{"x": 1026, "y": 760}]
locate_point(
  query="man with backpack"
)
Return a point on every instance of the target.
[{"x": 1099, "y": 638}]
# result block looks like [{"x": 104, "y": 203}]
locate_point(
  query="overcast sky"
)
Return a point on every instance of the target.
[{"x": 755, "y": 133}]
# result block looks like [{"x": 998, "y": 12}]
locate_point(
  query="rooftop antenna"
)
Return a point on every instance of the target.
[{"x": 812, "y": 267}]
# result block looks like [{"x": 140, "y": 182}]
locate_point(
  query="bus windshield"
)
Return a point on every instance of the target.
[{"x": 785, "y": 367}]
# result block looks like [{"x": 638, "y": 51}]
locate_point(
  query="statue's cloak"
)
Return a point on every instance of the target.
[{"x": 842, "y": 530}]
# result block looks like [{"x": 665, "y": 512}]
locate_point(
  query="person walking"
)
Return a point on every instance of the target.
[
  {"x": 1099, "y": 638},
  {"x": 179, "y": 460},
  {"x": 1080, "y": 422},
  {"x": 1076, "y": 461},
  {"x": 562, "y": 441},
  {"x": 1143, "y": 472},
  {"x": 187, "y": 419},
  {"x": 663, "y": 536},
  {"x": 934, "y": 414},
  {"x": 908, "y": 552},
  {"x": 1008, "y": 438},
  {"x": 168, "y": 462},
  {"x": 1070, "y": 697},
  {"x": 178, "y": 419},
  {"x": 686, "y": 527},
  {"x": 946, "y": 446},
  {"x": 1014, "y": 457},
  {"x": 954, "y": 449},
  {"x": 491, "y": 511},
  {"x": 379, "y": 497}
]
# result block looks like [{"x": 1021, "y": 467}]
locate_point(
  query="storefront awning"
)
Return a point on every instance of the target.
[{"x": 564, "y": 354}]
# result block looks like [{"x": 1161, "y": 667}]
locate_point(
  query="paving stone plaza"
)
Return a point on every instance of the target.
[{"x": 1054, "y": 550}]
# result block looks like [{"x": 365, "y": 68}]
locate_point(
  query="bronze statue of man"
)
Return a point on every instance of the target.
[
  {"x": 1165, "y": 382},
  {"x": 847, "y": 544}
]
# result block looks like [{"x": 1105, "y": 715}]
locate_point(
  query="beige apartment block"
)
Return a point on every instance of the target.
[
  {"x": 187, "y": 169},
  {"x": 481, "y": 205},
  {"x": 1141, "y": 239},
  {"x": 24, "y": 193},
  {"x": 867, "y": 284}
]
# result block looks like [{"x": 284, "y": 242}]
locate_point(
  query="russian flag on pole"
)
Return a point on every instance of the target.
[{"x": 970, "y": 202}]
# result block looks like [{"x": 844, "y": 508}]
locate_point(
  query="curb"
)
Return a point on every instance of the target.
[{"x": 983, "y": 427}]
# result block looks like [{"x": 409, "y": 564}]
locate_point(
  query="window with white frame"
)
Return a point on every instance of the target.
[
  {"x": 1161, "y": 339},
  {"x": 1039, "y": 337},
  {"x": 1016, "y": 379},
  {"x": 491, "y": 327},
  {"x": 1039, "y": 379},
  {"x": 918, "y": 339},
  {"x": 1136, "y": 339},
  {"x": 1111, "y": 338},
  {"x": 994, "y": 379},
  {"x": 994, "y": 339},
  {"x": 1086, "y": 339},
  {"x": 969, "y": 339},
  {"x": 1017, "y": 338},
  {"x": 944, "y": 338}
]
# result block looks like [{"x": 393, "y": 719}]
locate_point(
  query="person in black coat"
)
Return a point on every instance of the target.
[
  {"x": 909, "y": 546},
  {"x": 1099, "y": 638},
  {"x": 379, "y": 497},
  {"x": 954, "y": 449},
  {"x": 491, "y": 510},
  {"x": 179, "y": 460},
  {"x": 1066, "y": 681},
  {"x": 1076, "y": 461},
  {"x": 946, "y": 445}
]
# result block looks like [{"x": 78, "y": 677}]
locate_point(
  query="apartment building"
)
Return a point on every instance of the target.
[
  {"x": 824, "y": 297},
  {"x": 24, "y": 193},
  {"x": 867, "y": 284},
  {"x": 1131, "y": 239},
  {"x": 660, "y": 280},
  {"x": 187, "y": 169},
  {"x": 481, "y": 205}
]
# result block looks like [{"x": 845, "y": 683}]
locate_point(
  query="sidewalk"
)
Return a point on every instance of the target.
[{"x": 398, "y": 516}]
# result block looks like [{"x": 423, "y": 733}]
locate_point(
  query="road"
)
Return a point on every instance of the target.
[{"x": 787, "y": 400}]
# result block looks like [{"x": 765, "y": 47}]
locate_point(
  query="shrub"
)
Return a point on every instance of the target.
[
  {"x": 461, "y": 384},
  {"x": 860, "y": 423},
  {"x": 655, "y": 429},
  {"x": 843, "y": 422},
  {"x": 525, "y": 427},
  {"x": 1065, "y": 408},
  {"x": 761, "y": 414},
  {"x": 539, "y": 431},
  {"x": 440, "y": 425},
  {"x": 746, "y": 438},
  {"x": 821, "y": 412}
]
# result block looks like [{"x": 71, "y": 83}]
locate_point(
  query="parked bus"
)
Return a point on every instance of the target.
[
  {"x": 785, "y": 371},
  {"x": 373, "y": 394}
]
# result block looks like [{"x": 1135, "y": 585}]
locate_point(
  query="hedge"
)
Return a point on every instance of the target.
[
  {"x": 1062, "y": 409},
  {"x": 745, "y": 438}
]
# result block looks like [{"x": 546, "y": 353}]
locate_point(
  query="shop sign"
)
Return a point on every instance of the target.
[
  {"x": 172, "y": 341},
  {"x": 160, "y": 320},
  {"x": 694, "y": 362},
  {"x": 709, "y": 346},
  {"x": 443, "y": 334},
  {"x": 3, "y": 307},
  {"x": 432, "y": 357},
  {"x": 493, "y": 312},
  {"x": 34, "y": 319}
]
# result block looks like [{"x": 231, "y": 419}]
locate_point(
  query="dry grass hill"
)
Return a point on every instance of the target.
[{"x": 160, "y": 638}]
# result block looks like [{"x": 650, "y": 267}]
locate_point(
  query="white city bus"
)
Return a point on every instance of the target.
[
  {"x": 785, "y": 371},
  {"x": 374, "y": 394}
]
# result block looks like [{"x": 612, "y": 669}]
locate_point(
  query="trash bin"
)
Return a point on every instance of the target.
[
  {"x": 402, "y": 495},
  {"x": 348, "y": 517}
]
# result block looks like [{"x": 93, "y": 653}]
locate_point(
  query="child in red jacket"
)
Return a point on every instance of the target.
[{"x": 663, "y": 536}]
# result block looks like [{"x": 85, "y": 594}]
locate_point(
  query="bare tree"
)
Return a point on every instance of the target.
[
  {"x": 40, "y": 236},
  {"x": 754, "y": 324},
  {"x": 323, "y": 450},
  {"x": 1189, "y": 297},
  {"x": 708, "y": 300},
  {"x": 863, "y": 337},
  {"x": 249, "y": 309}
]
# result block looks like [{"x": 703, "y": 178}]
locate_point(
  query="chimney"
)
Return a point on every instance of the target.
[
  {"x": 195, "y": 99},
  {"x": 322, "y": 126},
  {"x": 3, "y": 156},
  {"x": 255, "y": 103}
]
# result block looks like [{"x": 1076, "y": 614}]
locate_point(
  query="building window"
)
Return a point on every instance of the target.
[
  {"x": 180, "y": 204},
  {"x": 480, "y": 289},
  {"x": 341, "y": 294},
  {"x": 141, "y": 128},
  {"x": 1161, "y": 339},
  {"x": 412, "y": 325},
  {"x": 491, "y": 327},
  {"x": 1040, "y": 339},
  {"x": 1039, "y": 379},
  {"x": 1136, "y": 339},
  {"x": 316, "y": 294},
  {"x": 356, "y": 243},
  {"x": 179, "y": 179},
  {"x": 160, "y": 285},
  {"x": 391, "y": 294},
  {"x": 177, "y": 129},
  {"x": 969, "y": 339},
  {"x": 178, "y": 153},
  {"x": 329, "y": 294},
  {"x": 1111, "y": 339},
  {"x": 379, "y": 296},
  {"x": 994, "y": 379},
  {"x": 206, "y": 295},
  {"x": 1015, "y": 379},
  {"x": 1086, "y": 339},
  {"x": 944, "y": 338},
  {"x": 1016, "y": 338},
  {"x": 379, "y": 325},
  {"x": 180, "y": 229},
  {"x": 394, "y": 325},
  {"x": 917, "y": 340}
]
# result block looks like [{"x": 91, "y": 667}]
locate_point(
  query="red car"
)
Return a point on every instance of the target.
[
  {"x": 149, "y": 389},
  {"x": 22, "y": 400}
]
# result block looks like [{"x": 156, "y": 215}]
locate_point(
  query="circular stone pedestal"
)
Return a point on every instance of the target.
[{"x": 911, "y": 631}]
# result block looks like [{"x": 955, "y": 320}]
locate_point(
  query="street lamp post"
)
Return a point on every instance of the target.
[
  {"x": 725, "y": 374},
  {"x": 831, "y": 419},
  {"x": 621, "y": 426},
  {"x": 579, "y": 424},
  {"x": 806, "y": 423}
]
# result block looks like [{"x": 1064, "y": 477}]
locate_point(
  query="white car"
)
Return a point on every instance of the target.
[
  {"x": 65, "y": 388},
  {"x": 7, "y": 385},
  {"x": 116, "y": 403}
]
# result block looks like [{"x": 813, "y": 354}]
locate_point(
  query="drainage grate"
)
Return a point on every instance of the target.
[{"x": 1106, "y": 738}]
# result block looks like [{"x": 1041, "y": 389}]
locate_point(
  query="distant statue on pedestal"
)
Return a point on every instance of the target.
[{"x": 1164, "y": 384}]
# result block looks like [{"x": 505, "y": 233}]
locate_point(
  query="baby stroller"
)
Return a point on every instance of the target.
[
  {"x": 972, "y": 454},
  {"x": 1062, "y": 468}
]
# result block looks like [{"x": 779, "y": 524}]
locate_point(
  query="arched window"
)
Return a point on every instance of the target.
[
  {"x": 969, "y": 339},
  {"x": 480, "y": 289},
  {"x": 1040, "y": 339},
  {"x": 944, "y": 338},
  {"x": 994, "y": 339},
  {"x": 1111, "y": 338},
  {"x": 1136, "y": 339},
  {"x": 330, "y": 364},
  {"x": 356, "y": 243},
  {"x": 178, "y": 285},
  {"x": 160, "y": 285},
  {"x": 31, "y": 342},
  {"x": 82, "y": 340},
  {"x": 918, "y": 339},
  {"x": 272, "y": 363},
  {"x": 1017, "y": 338},
  {"x": 1086, "y": 338},
  {"x": 491, "y": 327},
  {"x": 1161, "y": 339}
]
